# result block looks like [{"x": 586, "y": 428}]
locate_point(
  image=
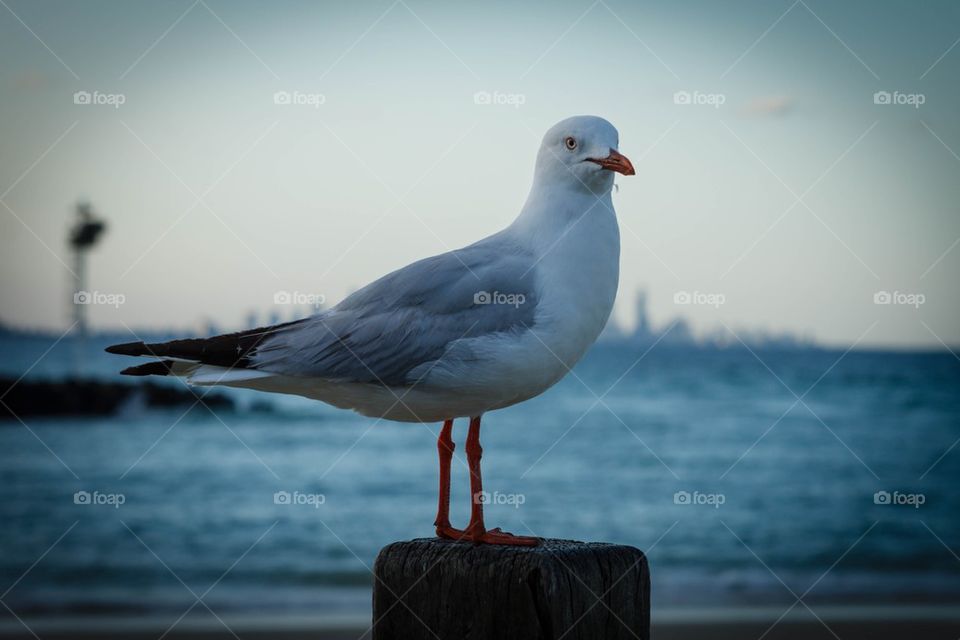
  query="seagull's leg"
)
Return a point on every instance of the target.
[
  {"x": 476, "y": 531},
  {"x": 445, "y": 448}
]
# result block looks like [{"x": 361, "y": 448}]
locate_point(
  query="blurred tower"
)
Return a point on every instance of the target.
[
  {"x": 642, "y": 330},
  {"x": 83, "y": 236}
]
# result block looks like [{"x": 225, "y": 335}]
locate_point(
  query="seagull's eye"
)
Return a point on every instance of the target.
[{"x": 570, "y": 143}]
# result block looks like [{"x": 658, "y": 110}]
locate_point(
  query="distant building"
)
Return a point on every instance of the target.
[
  {"x": 643, "y": 321},
  {"x": 82, "y": 237},
  {"x": 678, "y": 332}
]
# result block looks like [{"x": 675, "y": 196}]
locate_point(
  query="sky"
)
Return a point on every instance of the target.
[{"x": 771, "y": 174}]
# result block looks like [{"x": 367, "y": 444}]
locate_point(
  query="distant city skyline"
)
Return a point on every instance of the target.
[
  {"x": 644, "y": 332},
  {"x": 795, "y": 159}
]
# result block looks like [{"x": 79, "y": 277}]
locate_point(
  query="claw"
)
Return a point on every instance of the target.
[
  {"x": 451, "y": 533},
  {"x": 493, "y": 536}
]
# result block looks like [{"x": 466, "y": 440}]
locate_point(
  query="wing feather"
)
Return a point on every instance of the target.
[{"x": 410, "y": 317}]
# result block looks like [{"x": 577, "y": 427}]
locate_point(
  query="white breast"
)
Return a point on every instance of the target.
[
  {"x": 579, "y": 275},
  {"x": 577, "y": 272}
]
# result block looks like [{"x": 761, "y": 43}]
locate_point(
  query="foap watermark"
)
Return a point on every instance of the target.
[
  {"x": 897, "y": 98},
  {"x": 900, "y": 298},
  {"x": 114, "y": 100},
  {"x": 699, "y": 98},
  {"x": 299, "y": 498},
  {"x": 914, "y": 500},
  {"x": 699, "y": 297},
  {"x": 299, "y": 98},
  {"x": 99, "y": 297},
  {"x": 697, "y": 498},
  {"x": 299, "y": 298},
  {"x": 514, "y": 499},
  {"x": 499, "y": 98},
  {"x": 499, "y": 297},
  {"x": 100, "y": 499}
]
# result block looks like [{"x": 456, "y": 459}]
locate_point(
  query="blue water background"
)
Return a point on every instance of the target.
[{"x": 601, "y": 456}]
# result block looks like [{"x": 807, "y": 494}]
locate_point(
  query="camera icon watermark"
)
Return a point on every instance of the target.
[
  {"x": 715, "y": 300},
  {"x": 697, "y": 498},
  {"x": 96, "y": 498},
  {"x": 298, "y": 498},
  {"x": 498, "y": 98},
  {"x": 915, "y": 500},
  {"x": 899, "y": 298},
  {"x": 513, "y": 499},
  {"x": 498, "y": 297},
  {"x": 100, "y": 298},
  {"x": 298, "y": 98},
  {"x": 715, "y": 100},
  {"x": 299, "y": 298},
  {"x": 914, "y": 100},
  {"x": 115, "y": 100}
]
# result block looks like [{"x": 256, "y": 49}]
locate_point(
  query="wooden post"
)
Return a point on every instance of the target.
[{"x": 431, "y": 588}]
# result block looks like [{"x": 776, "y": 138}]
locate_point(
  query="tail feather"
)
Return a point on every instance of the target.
[
  {"x": 231, "y": 350},
  {"x": 129, "y": 349},
  {"x": 158, "y": 368}
]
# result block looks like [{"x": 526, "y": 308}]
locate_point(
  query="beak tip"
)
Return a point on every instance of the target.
[
  {"x": 617, "y": 162},
  {"x": 621, "y": 163}
]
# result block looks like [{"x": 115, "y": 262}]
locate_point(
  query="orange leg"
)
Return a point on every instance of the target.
[
  {"x": 476, "y": 531},
  {"x": 445, "y": 447}
]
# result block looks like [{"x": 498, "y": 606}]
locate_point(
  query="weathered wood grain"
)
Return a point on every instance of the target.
[{"x": 431, "y": 588}]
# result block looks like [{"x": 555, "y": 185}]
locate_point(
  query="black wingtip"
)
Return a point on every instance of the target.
[
  {"x": 159, "y": 368},
  {"x": 128, "y": 349}
]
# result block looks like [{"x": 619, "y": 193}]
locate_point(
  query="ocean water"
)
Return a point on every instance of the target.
[{"x": 739, "y": 492}]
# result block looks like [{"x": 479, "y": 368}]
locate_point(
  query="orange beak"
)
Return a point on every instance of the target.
[{"x": 616, "y": 161}]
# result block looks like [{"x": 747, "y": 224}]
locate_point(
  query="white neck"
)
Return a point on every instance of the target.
[
  {"x": 576, "y": 241},
  {"x": 552, "y": 213}
]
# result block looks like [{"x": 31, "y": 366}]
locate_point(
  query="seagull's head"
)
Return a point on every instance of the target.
[{"x": 581, "y": 152}]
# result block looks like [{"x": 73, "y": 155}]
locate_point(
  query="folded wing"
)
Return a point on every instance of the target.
[{"x": 410, "y": 317}]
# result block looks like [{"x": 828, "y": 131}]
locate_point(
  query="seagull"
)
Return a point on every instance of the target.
[{"x": 455, "y": 335}]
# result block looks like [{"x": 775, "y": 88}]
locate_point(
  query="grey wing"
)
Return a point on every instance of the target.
[{"x": 411, "y": 317}]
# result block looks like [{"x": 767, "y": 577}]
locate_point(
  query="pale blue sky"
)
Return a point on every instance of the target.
[{"x": 399, "y": 162}]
